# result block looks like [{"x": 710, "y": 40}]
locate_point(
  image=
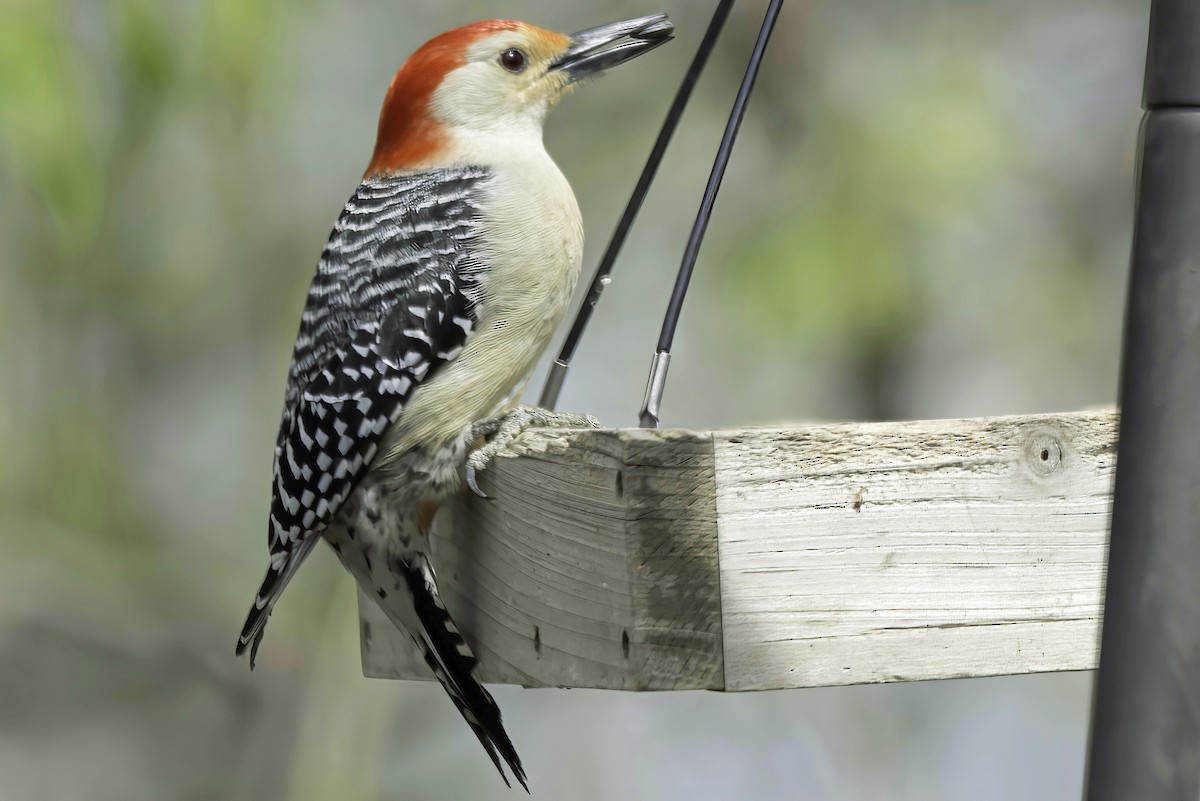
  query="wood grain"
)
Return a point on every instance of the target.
[
  {"x": 595, "y": 565},
  {"x": 768, "y": 558}
]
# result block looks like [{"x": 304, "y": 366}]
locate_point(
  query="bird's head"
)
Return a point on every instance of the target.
[{"x": 494, "y": 77}]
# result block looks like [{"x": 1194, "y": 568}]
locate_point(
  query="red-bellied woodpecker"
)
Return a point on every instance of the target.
[{"x": 441, "y": 284}]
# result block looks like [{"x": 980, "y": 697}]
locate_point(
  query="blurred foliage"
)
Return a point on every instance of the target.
[
  {"x": 917, "y": 159},
  {"x": 928, "y": 213}
]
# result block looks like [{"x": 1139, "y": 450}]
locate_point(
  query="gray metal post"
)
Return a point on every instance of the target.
[{"x": 1145, "y": 743}]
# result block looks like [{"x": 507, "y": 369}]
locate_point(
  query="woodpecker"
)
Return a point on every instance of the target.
[{"x": 441, "y": 284}]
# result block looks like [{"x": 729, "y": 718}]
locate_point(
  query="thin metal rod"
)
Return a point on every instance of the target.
[
  {"x": 658, "y": 376},
  {"x": 558, "y": 368},
  {"x": 1145, "y": 741}
]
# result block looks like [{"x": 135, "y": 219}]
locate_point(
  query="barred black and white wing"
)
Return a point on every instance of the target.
[{"x": 393, "y": 299}]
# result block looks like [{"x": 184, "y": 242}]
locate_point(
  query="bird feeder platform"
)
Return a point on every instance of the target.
[{"x": 766, "y": 558}]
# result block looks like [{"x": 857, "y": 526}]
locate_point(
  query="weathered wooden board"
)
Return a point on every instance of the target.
[
  {"x": 594, "y": 566},
  {"x": 768, "y": 558},
  {"x": 866, "y": 553}
]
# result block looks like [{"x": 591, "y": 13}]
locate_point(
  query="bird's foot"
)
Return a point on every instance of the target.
[{"x": 500, "y": 431}]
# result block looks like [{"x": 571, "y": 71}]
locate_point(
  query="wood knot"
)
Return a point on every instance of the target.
[{"x": 1043, "y": 453}]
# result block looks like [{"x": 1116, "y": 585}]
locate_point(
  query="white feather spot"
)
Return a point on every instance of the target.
[
  {"x": 304, "y": 437},
  {"x": 416, "y": 333},
  {"x": 396, "y": 385}
]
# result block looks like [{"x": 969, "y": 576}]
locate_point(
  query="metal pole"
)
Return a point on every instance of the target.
[
  {"x": 1145, "y": 740},
  {"x": 602, "y": 277},
  {"x": 657, "y": 381}
]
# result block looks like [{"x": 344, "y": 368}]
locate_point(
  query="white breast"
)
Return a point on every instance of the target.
[{"x": 532, "y": 246}]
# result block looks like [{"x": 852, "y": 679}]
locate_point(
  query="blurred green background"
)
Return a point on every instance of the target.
[{"x": 928, "y": 214}]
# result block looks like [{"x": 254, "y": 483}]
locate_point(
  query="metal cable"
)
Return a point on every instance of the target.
[
  {"x": 558, "y": 369},
  {"x": 662, "y": 356}
]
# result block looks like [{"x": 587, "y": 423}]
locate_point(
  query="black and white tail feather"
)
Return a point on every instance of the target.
[
  {"x": 272, "y": 586},
  {"x": 453, "y": 663},
  {"x": 394, "y": 298}
]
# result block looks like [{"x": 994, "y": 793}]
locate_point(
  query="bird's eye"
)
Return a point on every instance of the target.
[{"x": 512, "y": 60}]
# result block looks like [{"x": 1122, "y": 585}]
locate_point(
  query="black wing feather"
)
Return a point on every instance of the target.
[{"x": 393, "y": 299}]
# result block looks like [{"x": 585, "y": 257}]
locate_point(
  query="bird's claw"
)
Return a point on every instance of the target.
[
  {"x": 473, "y": 483},
  {"x": 500, "y": 432}
]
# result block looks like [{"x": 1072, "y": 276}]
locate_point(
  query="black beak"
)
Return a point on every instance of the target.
[{"x": 597, "y": 49}]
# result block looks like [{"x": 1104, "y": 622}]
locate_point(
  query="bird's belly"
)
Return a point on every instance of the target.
[
  {"x": 532, "y": 246},
  {"x": 388, "y": 514}
]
